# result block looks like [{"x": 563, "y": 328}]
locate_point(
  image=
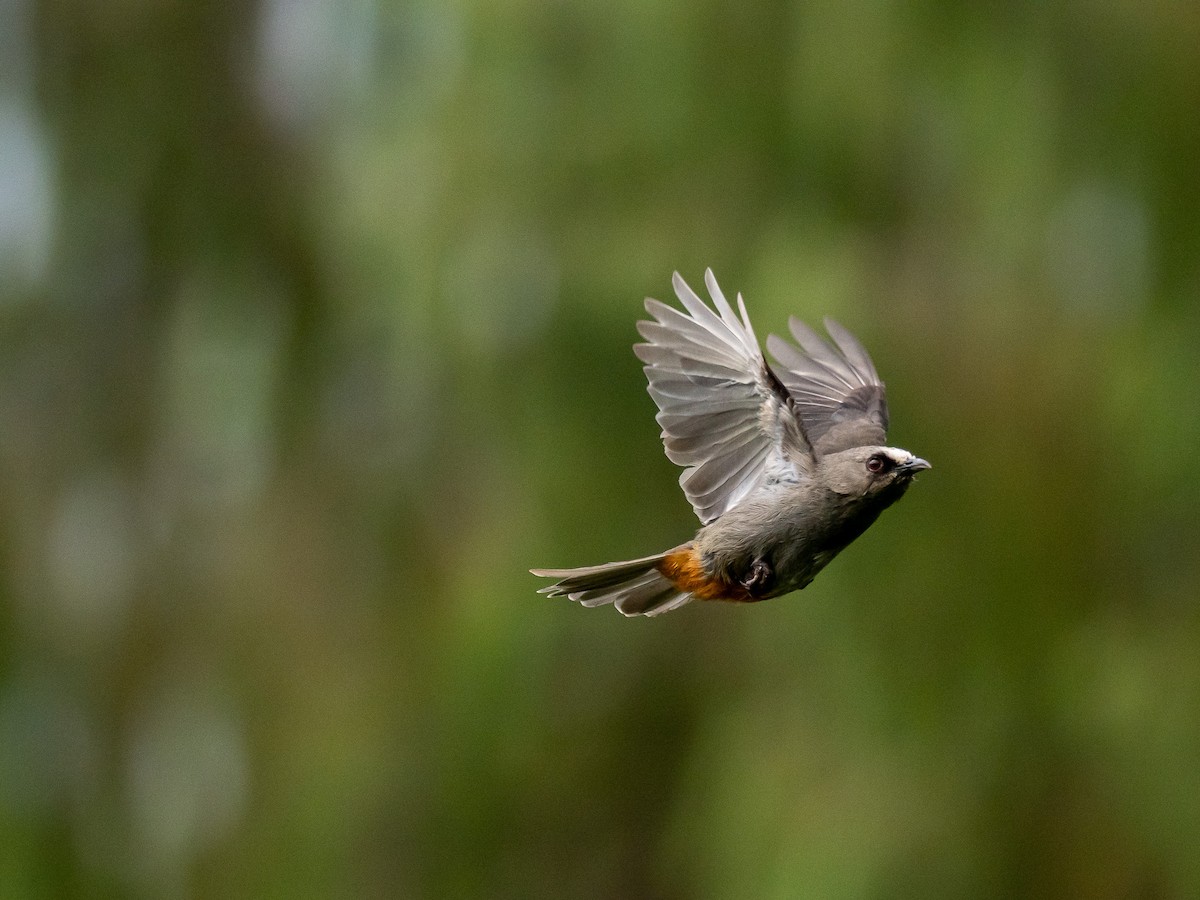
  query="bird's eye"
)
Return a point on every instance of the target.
[{"x": 876, "y": 464}]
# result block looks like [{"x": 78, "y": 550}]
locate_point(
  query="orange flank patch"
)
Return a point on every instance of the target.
[{"x": 683, "y": 569}]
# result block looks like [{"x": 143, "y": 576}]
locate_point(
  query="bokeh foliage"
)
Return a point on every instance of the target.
[{"x": 314, "y": 335}]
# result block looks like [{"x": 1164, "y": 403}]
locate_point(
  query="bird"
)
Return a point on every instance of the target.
[{"x": 784, "y": 465}]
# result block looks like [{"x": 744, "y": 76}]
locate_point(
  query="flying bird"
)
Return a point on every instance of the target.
[{"x": 785, "y": 463}]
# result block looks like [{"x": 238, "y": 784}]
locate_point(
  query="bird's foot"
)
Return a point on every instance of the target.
[{"x": 759, "y": 578}]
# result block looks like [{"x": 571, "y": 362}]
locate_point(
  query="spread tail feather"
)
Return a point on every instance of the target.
[{"x": 636, "y": 587}]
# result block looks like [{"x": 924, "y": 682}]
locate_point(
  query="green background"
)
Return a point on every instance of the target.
[{"x": 315, "y": 327}]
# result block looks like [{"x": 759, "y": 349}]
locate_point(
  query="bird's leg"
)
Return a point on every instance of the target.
[{"x": 759, "y": 578}]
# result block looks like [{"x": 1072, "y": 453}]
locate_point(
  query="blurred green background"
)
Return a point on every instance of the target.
[{"x": 316, "y": 325}]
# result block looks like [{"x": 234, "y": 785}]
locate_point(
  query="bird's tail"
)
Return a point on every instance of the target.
[{"x": 636, "y": 587}]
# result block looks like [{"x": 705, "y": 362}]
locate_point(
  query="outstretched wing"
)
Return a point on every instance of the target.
[
  {"x": 724, "y": 414},
  {"x": 837, "y": 392}
]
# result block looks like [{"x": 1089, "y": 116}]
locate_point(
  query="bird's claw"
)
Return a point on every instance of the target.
[{"x": 759, "y": 578}]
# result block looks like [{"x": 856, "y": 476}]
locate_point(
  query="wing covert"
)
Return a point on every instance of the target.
[{"x": 836, "y": 390}]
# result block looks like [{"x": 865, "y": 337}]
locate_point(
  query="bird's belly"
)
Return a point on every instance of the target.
[
  {"x": 730, "y": 557},
  {"x": 783, "y": 536}
]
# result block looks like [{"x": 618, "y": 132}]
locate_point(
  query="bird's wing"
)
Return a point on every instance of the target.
[
  {"x": 837, "y": 392},
  {"x": 724, "y": 414}
]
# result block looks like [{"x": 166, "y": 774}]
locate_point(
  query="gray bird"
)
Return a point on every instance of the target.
[{"x": 785, "y": 465}]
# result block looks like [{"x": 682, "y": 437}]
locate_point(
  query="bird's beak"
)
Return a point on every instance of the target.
[{"x": 913, "y": 466}]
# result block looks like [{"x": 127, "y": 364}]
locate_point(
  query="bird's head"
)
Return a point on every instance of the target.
[{"x": 871, "y": 472}]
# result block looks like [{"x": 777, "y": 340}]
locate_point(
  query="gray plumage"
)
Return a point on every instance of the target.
[
  {"x": 783, "y": 465},
  {"x": 634, "y": 587}
]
